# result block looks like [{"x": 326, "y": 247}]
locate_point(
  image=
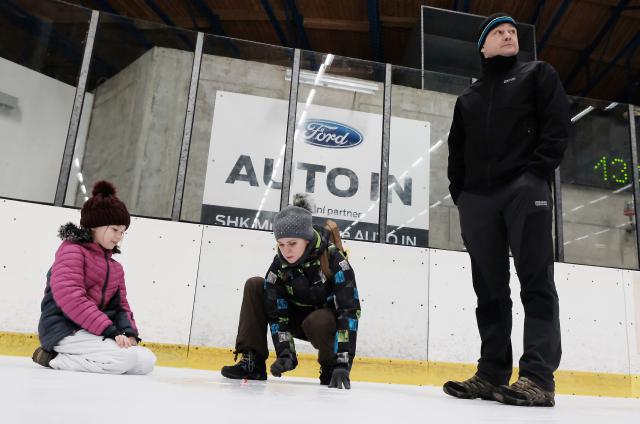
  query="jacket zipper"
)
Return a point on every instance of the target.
[
  {"x": 487, "y": 133},
  {"x": 106, "y": 280}
]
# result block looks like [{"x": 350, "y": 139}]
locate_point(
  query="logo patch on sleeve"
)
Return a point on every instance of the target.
[
  {"x": 271, "y": 278},
  {"x": 283, "y": 337},
  {"x": 282, "y": 304},
  {"x": 353, "y": 324},
  {"x": 343, "y": 336},
  {"x": 344, "y": 265}
]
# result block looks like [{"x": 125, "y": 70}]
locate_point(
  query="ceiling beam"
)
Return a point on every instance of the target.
[
  {"x": 562, "y": 8},
  {"x": 266, "y": 5},
  {"x": 584, "y": 55},
  {"x": 536, "y": 13},
  {"x": 46, "y": 32},
  {"x": 375, "y": 29},
  {"x": 214, "y": 25},
  {"x": 212, "y": 18},
  {"x": 298, "y": 19},
  {"x": 167, "y": 20},
  {"x": 135, "y": 32},
  {"x": 630, "y": 47},
  {"x": 200, "y": 22}
]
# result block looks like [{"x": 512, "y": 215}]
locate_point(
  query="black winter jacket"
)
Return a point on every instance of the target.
[
  {"x": 512, "y": 120},
  {"x": 304, "y": 288}
]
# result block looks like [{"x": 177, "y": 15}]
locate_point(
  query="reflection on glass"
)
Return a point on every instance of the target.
[
  {"x": 409, "y": 160},
  {"x": 338, "y": 140},
  {"x": 234, "y": 175},
  {"x": 433, "y": 106},
  {"x": 597, "y": 195},
  {"x": 40, "y": 59},
  {"x": 133, "y": 118}
]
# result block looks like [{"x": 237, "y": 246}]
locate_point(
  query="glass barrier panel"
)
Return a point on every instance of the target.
[
  {"x": 40, "y": 60},
  {"x": 409, "y": 160},
  {"x": 134, "y": 114},
  {"x": 597, "y": 187},
  {"x": 234, "y": 174},
  {"x": 338, "y": 141},
  {"x": 444, "y": 220}
]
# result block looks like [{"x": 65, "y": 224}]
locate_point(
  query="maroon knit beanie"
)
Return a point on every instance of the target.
[{"x": 104, "y": 208}]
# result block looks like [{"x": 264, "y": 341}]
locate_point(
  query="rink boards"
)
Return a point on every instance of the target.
[{"x": 185, "y": 284}]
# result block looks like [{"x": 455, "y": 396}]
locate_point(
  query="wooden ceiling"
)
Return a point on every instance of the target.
[{"x": 593, "y": 44}]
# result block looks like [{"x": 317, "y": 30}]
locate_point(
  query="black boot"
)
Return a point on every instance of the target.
[
  {"x": 325, "y": 374},
  {"x": 473, "y": 388},
  {"x": 249, "y": 367},
  {"x": 43, "y": 357}
]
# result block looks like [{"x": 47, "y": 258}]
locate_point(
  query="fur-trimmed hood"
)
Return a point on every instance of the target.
[{"x": 71, "y": 232}]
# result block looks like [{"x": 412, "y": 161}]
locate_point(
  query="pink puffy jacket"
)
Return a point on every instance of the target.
[
  {"x": 84, "y": 278},
  {"x": 85, "y": 289}
]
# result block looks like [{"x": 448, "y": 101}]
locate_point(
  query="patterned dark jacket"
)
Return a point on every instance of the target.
[{"x": 303, "y": 287}]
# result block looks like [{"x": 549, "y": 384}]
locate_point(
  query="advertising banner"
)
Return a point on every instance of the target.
[{"x": 336, "y": 160}]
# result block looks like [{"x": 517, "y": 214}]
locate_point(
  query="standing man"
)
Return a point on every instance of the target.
[{"x": 509, "y": 132}]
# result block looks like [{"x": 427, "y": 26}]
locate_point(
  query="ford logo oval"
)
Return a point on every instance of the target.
[{"x": 323, "y": 133}]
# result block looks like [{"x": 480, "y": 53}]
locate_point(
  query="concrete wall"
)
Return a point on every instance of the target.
[
  {"x": 138, "y": 115},
  {"x": 136, "y": 130}
]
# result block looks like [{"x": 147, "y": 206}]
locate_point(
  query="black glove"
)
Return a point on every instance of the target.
[
  {"x": 282, "y": 364},
  {"x": 339, "y": 378},
  {"x": 110, "y": 332}
]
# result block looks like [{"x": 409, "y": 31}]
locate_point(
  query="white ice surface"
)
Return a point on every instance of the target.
[{"x": 31, "y": 394}]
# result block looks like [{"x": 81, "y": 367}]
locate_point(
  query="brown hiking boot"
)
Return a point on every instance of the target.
[
  {"x": 43, "y": 357},
  {"x": 473, "y": 388},
  {"x": 525, "y": 392}
]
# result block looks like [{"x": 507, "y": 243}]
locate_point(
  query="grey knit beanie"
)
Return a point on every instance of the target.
[{"x": 295, "y": 221}]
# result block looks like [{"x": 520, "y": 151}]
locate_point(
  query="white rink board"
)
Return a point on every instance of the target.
[
  {"x": 160, "y": 261},
  {"x": 453, "y": 335},
  {"x": 393, "y": 288},
  {"x": 29, "y": 234},
  {"x": 228, "y": 258},
  {"x": 592, "y": 318},
  {"x": 156, "y": 276},
  {"x": 632, "y": 298},
  {"x": 453, "y": 332},
  {"x": 416, "y": 303}
]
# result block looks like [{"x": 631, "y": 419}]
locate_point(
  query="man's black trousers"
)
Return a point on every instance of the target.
[{"x": 516, "y": 215}]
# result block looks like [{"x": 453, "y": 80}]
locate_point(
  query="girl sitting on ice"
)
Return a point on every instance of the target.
[{"x": 86, "y": 322}]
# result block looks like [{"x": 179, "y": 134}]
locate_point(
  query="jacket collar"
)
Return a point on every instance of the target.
[
  {"x": 498, "y": 64},
  {"x": 73, "y": 233}
]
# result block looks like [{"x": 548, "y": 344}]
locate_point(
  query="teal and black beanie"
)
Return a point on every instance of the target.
[{"x": 490, "y": 23}]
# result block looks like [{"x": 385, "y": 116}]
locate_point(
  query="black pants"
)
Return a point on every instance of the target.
[
  {"x": 316, "y": 326},
  {"x": 517, "y": 215}
]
